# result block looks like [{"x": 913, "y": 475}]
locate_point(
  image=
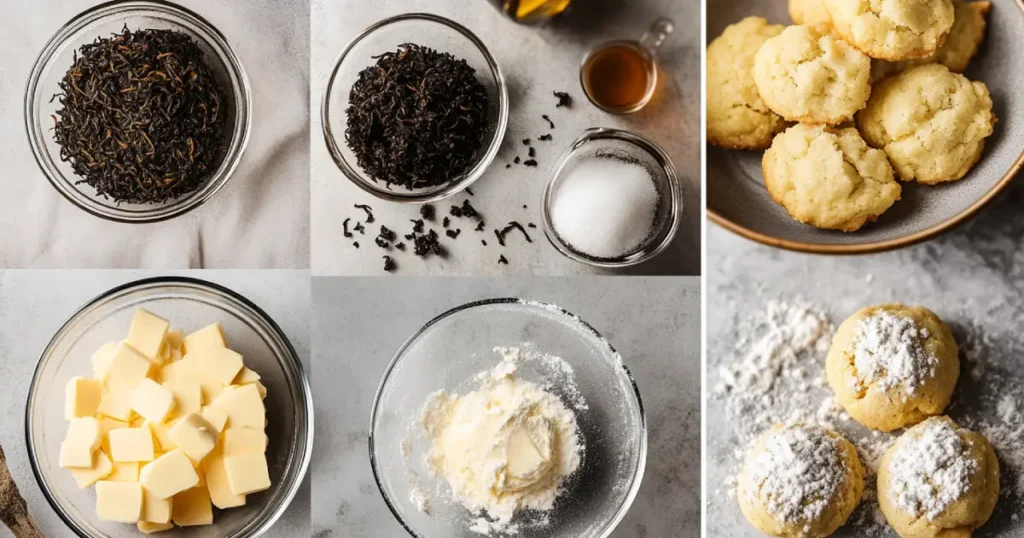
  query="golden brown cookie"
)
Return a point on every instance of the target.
[{"x": 893, "y": 29}]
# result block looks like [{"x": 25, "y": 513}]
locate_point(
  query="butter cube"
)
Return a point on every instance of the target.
[
  {"x": 192, "y": 507},
  {"x": 261, "y": 389},
  {"x": 238, "y": 441},
  {"x": 187, "y": 395},
  {"x": 101, "y": 469},
  {"x": 129, "y": 364},
  {"x": 246, "y": 376},
  {"x": 82, "y": 397},
  {"x": 147, "y": 332},
  {"x": 216, "y": 417},
  {"x": 168, "y": 475},
  {"x": 160, "y": 433},
  {"x": 194, "y": 436},
  {"x": 116, "y": 398},
  {"x": 82, "y": 439},
  {"x": 131, "y": 444},
  {"x": 175, "y": 340},
  {"x": 155, "y": 510},
  {"x": 209, "y": 337},
  {"x": 118, "y": 501},
  {"x": 217, "y": 482},
  {"x": 146, "y": 527},
  {"x": 247, "y": 473},
  {"x": 243, "y": 406},
  {"x": 108, "y": 424},
  {"x": 125, "y": 471},
  {"x": 152, "y": 401},
  {"x": 173, "y": 371},
  {"x": 102, "y": 358}
]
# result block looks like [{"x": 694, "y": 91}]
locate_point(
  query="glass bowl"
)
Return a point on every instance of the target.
[
  {"x": 447, "y": 353},
  {"x": 603, "y": 142},
  {"x": 189, "y": 304},
  {"x": 104, "y": 20},
  {"x": 427, "y": 30}
]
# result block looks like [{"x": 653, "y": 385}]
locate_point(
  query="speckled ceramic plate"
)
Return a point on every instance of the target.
[{"x": 738, "y": 200}]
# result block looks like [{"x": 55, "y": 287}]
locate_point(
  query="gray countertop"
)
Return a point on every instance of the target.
[
  {"x": 535, "y": 62},
  {"x": 653, "y": 322},
  {"x": 33, "y": 306},
  {"x": 973, "y": 277}
]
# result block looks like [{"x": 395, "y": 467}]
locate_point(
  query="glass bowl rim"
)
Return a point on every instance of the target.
[
  {"x": 501, "y": 124},
  {"x": 641, "y": 463},
  {"x": 203, "y": 285},
  {"x": 675, "y": 199},
  {"x": 239, "y": 139}
]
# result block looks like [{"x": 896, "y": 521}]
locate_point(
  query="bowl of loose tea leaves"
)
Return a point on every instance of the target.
[
  {"x": 138, "y": 111},
  {"x": 415, "y": 109}
]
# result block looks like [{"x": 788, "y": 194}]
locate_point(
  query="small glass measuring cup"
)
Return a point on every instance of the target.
[{"x": 620, "y": 77}]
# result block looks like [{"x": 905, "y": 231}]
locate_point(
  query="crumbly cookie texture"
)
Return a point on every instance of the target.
[
  {"x": 737, "y": 117},
  {"x": 892, "y": 366},
  {"x": 963, "y": 41},
  {"x": 809, "y": 12},
  {"x": 893, "y": 29},
  {"x": 829, "y": 178},
  {"x": 805, "y": 74},
  {"x": 938, "y": 480},
  {"x": 932, "y": 123},
  {"x": 800, "y": 481}
]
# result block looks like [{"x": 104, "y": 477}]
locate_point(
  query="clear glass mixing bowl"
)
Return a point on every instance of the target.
[
  {"x": 189, "y": 304},
  {"x": 445, "y": 355}
]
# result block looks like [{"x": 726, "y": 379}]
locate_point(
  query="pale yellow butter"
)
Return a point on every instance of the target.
[
  {"x": 146, "y": 527},
  {"x": 217, "y": 481},
  {"x": 116, "y": 398},
  {"x": 169, "y": 474},
  {"x": 82, "y": 397},
  {"x": 131, "y": 444},
  {"x": 175, "y": 339},
  {"x": 192, "y": 507},
  {"x": 247, "y": 473},
  {"x": 152, "y": 401},
  {"x": 194, "y": 436},
  {"x": 246, "y": 376},
  {"x": 243, "y": 405},
  {"x": 125, "y": 471},
  {"x": 100, "y": 470},
  {"x": 106, "y": 425},
  {"x": 188, "y": 396},
  {"x": 216, "y": 417},
  {"x": 155, "y": 510},
  {"x": 82, "y": 439},
  {"x": 147, "y": 332},
  {"x": 128, "y": 364},
  {"x": 118, "y": 501},
  {"x": 101, "y": 359},
  {"x": 160, "y": 433},
  {"x": 237, "y": 441},
  {"x": 211, "y": 336}
]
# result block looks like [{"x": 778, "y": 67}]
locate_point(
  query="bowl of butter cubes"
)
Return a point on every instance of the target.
[{"x": 172, "y": 406}]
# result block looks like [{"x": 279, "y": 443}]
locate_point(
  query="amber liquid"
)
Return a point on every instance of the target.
[
  {"x": 617, "y": 77},
  {"x": 530, "y": 11}
]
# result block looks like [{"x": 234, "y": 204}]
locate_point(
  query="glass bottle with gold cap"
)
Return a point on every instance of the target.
[{"x": 532, "y": 11}]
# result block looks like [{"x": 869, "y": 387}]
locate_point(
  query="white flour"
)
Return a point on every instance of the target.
[
  {"x": 931, "y": 471},
  {"x": 888, "y": 353}
]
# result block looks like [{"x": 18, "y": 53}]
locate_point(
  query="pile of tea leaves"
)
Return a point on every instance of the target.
[
  {"x": 416, "y": 118},
  {"x": 142, "y": 118}
]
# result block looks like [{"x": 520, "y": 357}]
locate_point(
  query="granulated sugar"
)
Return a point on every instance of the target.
[
  {"x": 888, "y": 353},
  {"x": 931, "y": 471}
]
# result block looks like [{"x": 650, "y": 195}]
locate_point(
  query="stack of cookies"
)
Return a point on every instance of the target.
[{"x": 856, "y": 94}]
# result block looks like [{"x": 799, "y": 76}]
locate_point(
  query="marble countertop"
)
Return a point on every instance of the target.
[
  {"x": 535, "y": 62},
  {"x": 33, "y": 306},
  {"x": 973, "y": 277},
  {"x": 653, "y": 322}
]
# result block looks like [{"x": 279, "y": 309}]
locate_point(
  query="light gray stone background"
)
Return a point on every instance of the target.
[
  {"x": 260, "y": 219},
  {"x": 535, "y": 61},
  {"x": 653, "y": 322},
  {"x": 972, "y": 277},
  {"x": 34, "y": 305}
]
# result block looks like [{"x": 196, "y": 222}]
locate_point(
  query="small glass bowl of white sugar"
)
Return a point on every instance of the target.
[{"x": 613, "y": 200}]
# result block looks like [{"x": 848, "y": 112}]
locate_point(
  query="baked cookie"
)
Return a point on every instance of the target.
[
  {"x": 737, "y": 116},
  {"x": 932, "y": 123},
  {"x": 800, "y": 481},
  {"x": 892, "y": 366},
  {"x": 829, "y": 178},
  {"x": 892, "y": 29},
  {"x": 963, "y": 41},
  {"x": 938, "y": 481},
  {"x": 809, "y": 12},
  {"x": 805, "y": 74}
]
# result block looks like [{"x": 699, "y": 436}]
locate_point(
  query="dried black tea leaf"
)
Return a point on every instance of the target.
[
  {"x": 427, "y": 212},
  {"x": 502, "y": 260},
  {"x": 564, "y": 99},
  {"x": 545, "y": 138},
  {"x": 547, "y": 119},
  {"x": 344, "y": 228},
  {"x": 389, "y": 264},
  {"x": 454, "y": 234},
  {"x": 530, "y": 162},
  {"x": 368, "y": 210}
]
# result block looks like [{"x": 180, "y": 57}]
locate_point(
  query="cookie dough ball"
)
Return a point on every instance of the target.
[
  {"x": 893, "y": 29},
  {"x": 938, "y": 480},
  {"x": 809, "y": 12},
  {"x": 805, "y": 74},
  {"x": 892, "y": 366},
  {"x": 963, "y": 41},
  {"x": 800, "y": 481},
  {"x": 737, "y": 117},
  {"x": 932, "y": 123},
  {"x": 829, "y": 178}
]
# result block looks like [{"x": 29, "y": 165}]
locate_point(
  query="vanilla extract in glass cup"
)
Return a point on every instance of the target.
[{"x": 620, "y": 77}]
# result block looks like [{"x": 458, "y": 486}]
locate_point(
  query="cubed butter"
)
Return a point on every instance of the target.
[
  {"x": 108, "y": 424},
  {"x": 82, "y": 439},
  {"x": 147, "y": 332},
  {"x": 146, "y": 527},
  {"x": 173, "y": 371},
  {"x": 100, "y": 470},
  {"x": 261, "y": 389},
  {"x": 125, "y": 471},
  {"x": 129, "y": 364},
  {"x": 243, "y": 405},
  {"x": 152, "y": 401},
  {"x": 217, "y": 481},
  {"x": 175, "y": 339},
  {"x": 239, "y": 441},
  {"x": 211, "y": 336},
  {"x": 247, "y": 473},
  {"x": 160, "y": 433},
  {"x": 101, "y": 359},
  {"x": 246, "y": 376},
  {"x": 216, "y": 417},
  {"x": 118, "y": 501},
  {"x": 131, "y": 444},
  {"x": 155, "y": 510},
  {"x": 187, "y": 396},
  {"x": 169, "y": 474},
  {"x": 192, "y": 507},
  {"x": 82, "y": 397},
  {"x": 116, "y": 398},
  {"x": 194, "y": 436}
]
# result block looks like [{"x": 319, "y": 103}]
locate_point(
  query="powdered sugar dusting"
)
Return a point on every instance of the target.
[
  {"x": 889, "y": 354},
  {"x": 931, "y": 470}
]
